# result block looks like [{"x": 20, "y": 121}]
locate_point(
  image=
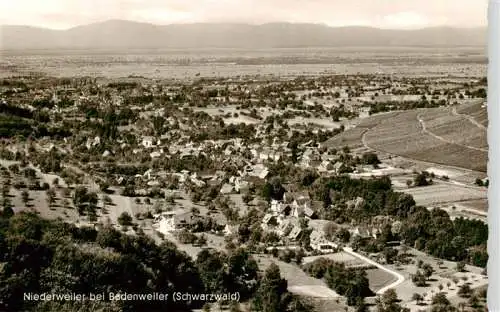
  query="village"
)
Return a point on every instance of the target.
[{"x": 286, "y": 169}]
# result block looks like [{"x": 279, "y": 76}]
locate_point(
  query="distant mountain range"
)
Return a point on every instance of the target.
[{"x": 119, "y": 34}]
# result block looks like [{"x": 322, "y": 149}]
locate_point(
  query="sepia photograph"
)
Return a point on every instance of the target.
[{"x": 247, "y": 155}]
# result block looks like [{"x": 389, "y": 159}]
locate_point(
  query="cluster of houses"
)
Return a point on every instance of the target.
[{"x": 283, "y": 216}]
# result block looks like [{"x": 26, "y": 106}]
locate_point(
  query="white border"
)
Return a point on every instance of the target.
[{"x": 494, "y": 154}]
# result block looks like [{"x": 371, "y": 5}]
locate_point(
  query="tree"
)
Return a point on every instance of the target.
[
  {"x": 465, "y": 291},
  {"x": 242, "y": 272},
  {"x": 85, "y": 201},
  {"x": 361, "y": 305},
  {"x": 390, "y": 254},
  {"x": 247, "y": 198},
  {"x": 158, "y": 125},
  {"x": 389, "y": 297},
  {"x": 419, "y": 279},
  {"x": 305, "y": 237},
  {"x": 421, "y": 180},
  {"x": 271, "y": 291},
  {"x": 206, "y": 307},
  {"x": 7, "y": 212},
  {"x": 267, "y": 191},
  {"x": 107, "y": 200},
  {"x": 389, "y": 302},
  {"x": 211, "y": 265},
  {"x": 295, "y": 151},
  {"x": 125, "y": 219},
  {"x": 428, "y": 270},
  {"x": 5, "y": 189},
  {"x": 25, "y": 196},
  {"x": 329, "y": 230},
  {"x": 461, "y": 266},
  {"x": 370, "y": 158},
  {"x": 343, "y": 235},
  {"x": 417, "y": 298},
  {"x": 440, "y": 299},
  {"x": 299, "y": 255},
  {"x": 51, "y": 196},
  {"x": 474, "y": 301},
  {"x": 104, "y": 186}
]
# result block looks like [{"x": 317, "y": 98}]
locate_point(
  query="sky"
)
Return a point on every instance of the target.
[{"x": 397, "y": 14}]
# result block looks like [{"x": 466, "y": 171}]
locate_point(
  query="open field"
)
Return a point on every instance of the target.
[
  {"x": 298, "y": 281},
  {"x": 441, "y": 136},
  {"x": 352, "y": 137},
  {"x": 342, "y": 257},
  {"x": 454, "y": 128},
  {"x": 443, "y": 275},
  {"x": 402, "y": 135},
  {"x": 474, "y": 110},
  {"x": 378, "y": 279},
  {"x": 480, "y": 204},
  {"x": 442, "y": 193},
  {"x": 190, "y": 63},
  {"x": 38, "y": 203}
]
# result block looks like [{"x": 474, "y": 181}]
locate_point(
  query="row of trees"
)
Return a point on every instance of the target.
[
  {"x": 348, "y": 282},
  {"x": 55, "y": 257}
]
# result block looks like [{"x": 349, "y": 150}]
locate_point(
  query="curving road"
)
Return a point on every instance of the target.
[
  {"x": 365, "y": 144},
  {"x": 424, "y": 130},
  {"x": 400, "y": 278},
  {"x": 469, "y": 118}
]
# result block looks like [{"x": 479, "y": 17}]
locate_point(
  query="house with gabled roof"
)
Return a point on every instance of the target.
[
  {"x": 366, "y": 232},
  {"x": 172, "y": 221},
  {"x": 295, "y": 233},
  {"x": 148, "y": 141}
]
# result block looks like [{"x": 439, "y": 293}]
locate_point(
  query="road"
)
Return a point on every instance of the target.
[
  {"x": 365, "y": 144},
  {"x": 400, "y": 278},
  {"x": 363, "y": 140},
  {"x": 424, "y": 130},
  {"x": 469, "y": 118}
]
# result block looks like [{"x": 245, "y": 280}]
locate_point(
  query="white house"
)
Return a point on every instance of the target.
[
  {"x": 148, "y": 141},
  {"x": 300, "y": 204},
  {"x": 259, "y": 171},
  {"x": 275, "y": 206},
  {"x": 241, "y": 185},
  {"x": 173, "y": 221},
  {"x": 284, "y": 228},
  {"x": 148, "y": 174},
  {"x": 226, "y": 189},
  {"x": 231, "y": 229},
  {"x": 295, "y": 233},
  {"x": 325, "y": 166},
  {"x": 365, "y": 232},
  {"x": 327, "y": 247},
  {"x": 93, "y": 142},
  {"x": 198, "y": 182},
  {"x": 155, "y": 154}
]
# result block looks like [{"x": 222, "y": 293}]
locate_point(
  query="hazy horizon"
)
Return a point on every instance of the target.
[
  {"x": 384, "y": 14},
  {"x": 242, "y": 23}
]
